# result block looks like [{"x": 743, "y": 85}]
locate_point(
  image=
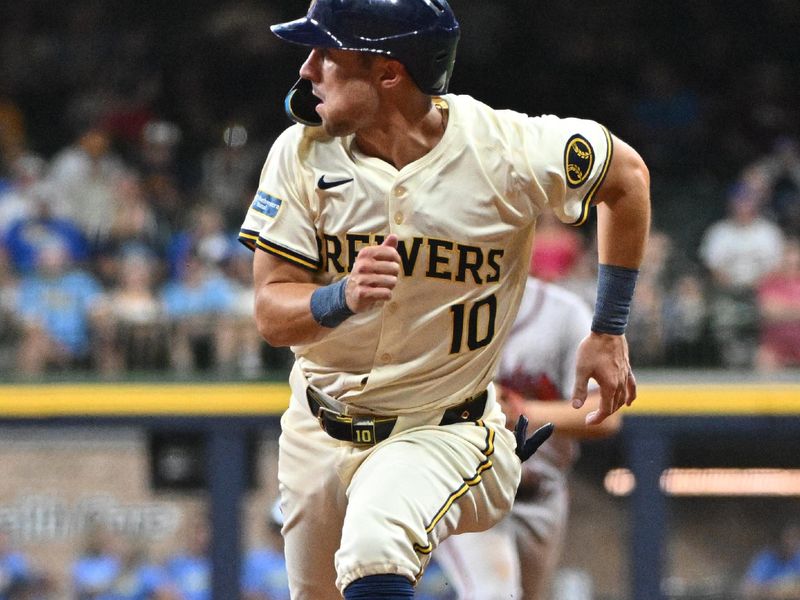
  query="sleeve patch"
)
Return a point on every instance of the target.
[
  {"x": 578, "y": 160},
  {"x": 266, "y": 204}
]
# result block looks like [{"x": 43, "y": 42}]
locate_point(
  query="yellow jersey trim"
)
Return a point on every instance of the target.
[{"x": 286, "y": 254}]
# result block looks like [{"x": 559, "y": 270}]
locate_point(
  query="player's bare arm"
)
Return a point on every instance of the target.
[
  {"x": 623, "y": 221},
  {"x": 623, "y": 209},
  {"x": 571, "y": 422},
  {"x": 283, "y": 292},
  {"x": 565, "y": 418}
]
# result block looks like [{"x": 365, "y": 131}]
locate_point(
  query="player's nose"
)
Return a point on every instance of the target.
[{"x": 310, "y": 68}]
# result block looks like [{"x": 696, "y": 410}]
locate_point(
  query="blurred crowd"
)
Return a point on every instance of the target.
[
  {"x": 107, "y": 265},
  {"x": 131, "y": 142},
  {"x": 731, "y": 302},
  {"x": 110, "y": 566}
]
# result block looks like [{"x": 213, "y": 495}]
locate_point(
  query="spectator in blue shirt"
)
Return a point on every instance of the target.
[
  {"x": 95, "y": 571},
  {"x": 264, "y": 569},
  {"x": 15, "y": 573},
  {"x": 29, "y": 235},
  {"x": 775, "y": 572},
  {"x": 198, "y": 305},
  {"x": 139, "y": 579},
  {"x": 190, "y": 570},
  {"x": 58, "y": 307}
]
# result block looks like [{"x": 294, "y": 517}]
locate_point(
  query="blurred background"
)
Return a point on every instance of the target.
[{"x": 131, "y": 139}]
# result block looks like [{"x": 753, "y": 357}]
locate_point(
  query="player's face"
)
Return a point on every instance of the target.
[{"x": 346, "y": 83}]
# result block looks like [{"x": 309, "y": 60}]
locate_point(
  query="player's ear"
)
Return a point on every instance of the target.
[{"x": 392, "y": 73}]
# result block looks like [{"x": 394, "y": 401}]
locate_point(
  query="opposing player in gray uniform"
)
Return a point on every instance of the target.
[
  {"x": 392, "y": 228},
  {"x": 535, "y": 375}
]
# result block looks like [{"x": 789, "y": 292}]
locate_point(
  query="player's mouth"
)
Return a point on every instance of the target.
[{"x": 316, "y": 93}]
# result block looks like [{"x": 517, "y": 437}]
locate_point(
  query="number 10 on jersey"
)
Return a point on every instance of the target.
[{"x": 478, "y": 320}]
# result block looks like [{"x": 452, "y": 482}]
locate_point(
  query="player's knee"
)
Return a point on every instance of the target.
[
  {"x": 375, "y": 550},
  {"x": 384, "y": 544}
]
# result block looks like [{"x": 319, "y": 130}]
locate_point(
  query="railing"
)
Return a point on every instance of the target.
[{"x": 669, "y": 405}]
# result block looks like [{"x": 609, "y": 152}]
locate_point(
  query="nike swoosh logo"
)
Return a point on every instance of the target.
[{"x": 326, "y": 185}]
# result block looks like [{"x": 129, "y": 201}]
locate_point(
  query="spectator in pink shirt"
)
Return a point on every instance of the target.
[{"x": 779, "y": 311}]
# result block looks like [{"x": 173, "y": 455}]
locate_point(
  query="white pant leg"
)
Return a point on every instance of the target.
[
  {"x": 419, "y": 487},
  {"x": 386, "y": 507},
  {"x": 313, "y": 504}
]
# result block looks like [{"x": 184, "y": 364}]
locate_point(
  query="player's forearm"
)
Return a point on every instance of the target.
[
  {"x": 570, "y": 421},
  {"x": 623, "y": 213},
  {"x": 283, "y": 314}
]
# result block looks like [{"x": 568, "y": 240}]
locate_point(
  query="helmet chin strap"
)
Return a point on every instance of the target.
[{"x": 300, "y": 103}]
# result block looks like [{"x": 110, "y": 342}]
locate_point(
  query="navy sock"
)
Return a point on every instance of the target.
[{"x": 380, "y": 587}]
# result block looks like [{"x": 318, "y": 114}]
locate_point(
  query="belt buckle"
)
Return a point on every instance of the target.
[{"x": 324, "y": 411}]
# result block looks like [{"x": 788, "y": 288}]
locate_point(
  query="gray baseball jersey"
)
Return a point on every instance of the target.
[{"x": 538, "y": 361}]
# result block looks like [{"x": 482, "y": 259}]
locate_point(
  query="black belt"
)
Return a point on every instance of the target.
[{"x": 368, "y": 431}]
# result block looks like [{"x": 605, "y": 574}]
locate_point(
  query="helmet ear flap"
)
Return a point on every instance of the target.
[{"x": 300, "y": 104}]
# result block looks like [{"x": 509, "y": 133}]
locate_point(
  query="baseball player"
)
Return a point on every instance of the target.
[
  {"x": 536, "y": 372},
  {"x": 392, "y": 227}
]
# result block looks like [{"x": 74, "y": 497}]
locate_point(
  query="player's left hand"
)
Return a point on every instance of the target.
[
  {"x": 604, "y": 357},
  {"x": 526, "y": 446}
]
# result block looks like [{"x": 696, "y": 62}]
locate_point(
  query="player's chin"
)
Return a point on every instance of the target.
[{"x": 334, "y": 127}]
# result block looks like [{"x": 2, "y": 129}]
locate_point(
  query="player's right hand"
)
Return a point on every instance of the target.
[
  {"x": 604, "y": 358},
  {"x": 374, "y": 275}
]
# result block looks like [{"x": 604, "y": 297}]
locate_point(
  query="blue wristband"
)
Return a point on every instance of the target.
[
  {"x": 328, "y": 304},
  {"x": 615, "y": 286}
]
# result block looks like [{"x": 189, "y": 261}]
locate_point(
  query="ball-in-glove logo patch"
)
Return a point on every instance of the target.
[{"x": 578, "y": 160}]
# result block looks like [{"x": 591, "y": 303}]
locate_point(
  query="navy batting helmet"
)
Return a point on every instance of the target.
[{"x": 421, "y": 34}]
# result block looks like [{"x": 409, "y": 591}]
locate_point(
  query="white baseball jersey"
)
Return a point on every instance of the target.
[{"x": 464, "y": 215}]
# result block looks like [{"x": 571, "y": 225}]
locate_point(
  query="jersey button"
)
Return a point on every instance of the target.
[
  {"x": 398, "y": 218},
  {"x": 399, "y": 191},
  {"x": 386, "y": 358}
]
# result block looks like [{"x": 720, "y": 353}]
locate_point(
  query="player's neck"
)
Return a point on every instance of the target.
[{"x": 404, "y": 135}]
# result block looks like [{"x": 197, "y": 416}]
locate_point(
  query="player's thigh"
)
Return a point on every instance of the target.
[
  {"x": 313, "y": 504},
  {"x": 483, "y": 565},
  {"x": 420, "y": 487}
]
